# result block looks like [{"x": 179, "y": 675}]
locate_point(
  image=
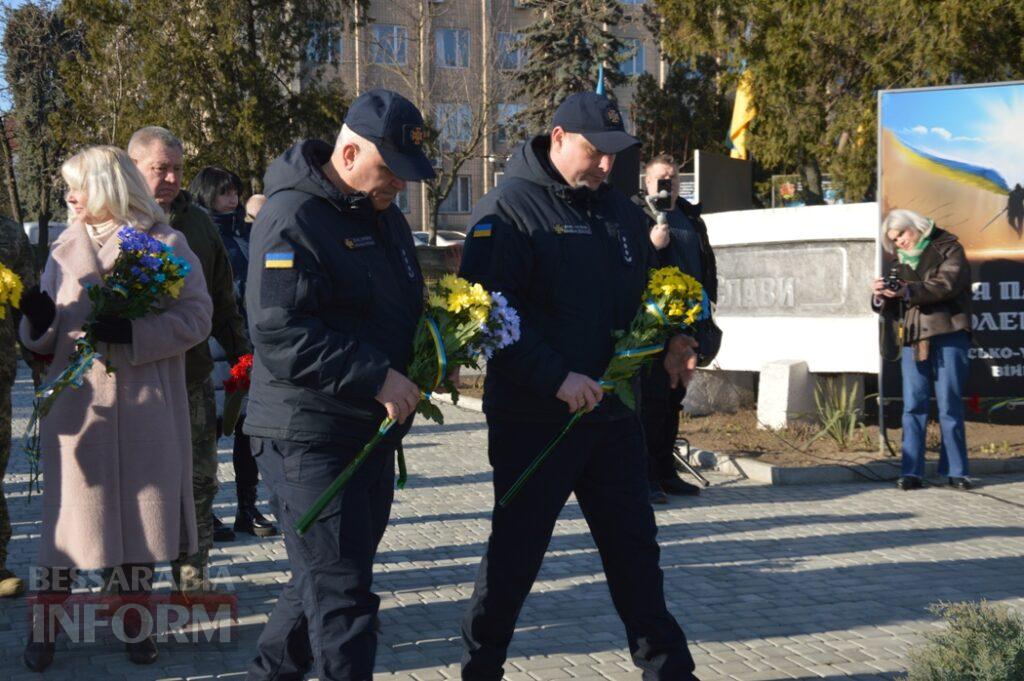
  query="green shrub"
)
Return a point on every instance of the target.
[
  {"x": 839, "y": 406},
  {"x": 982, "y": 642}
]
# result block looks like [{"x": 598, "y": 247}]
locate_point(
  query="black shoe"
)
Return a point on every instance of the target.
[
  {"x": 909, "y": 482},
  {"x": 142, "y": 652},
  {"x": 673, "y": 485},
  {"x": 222, "y": 532},
  {"x": 38, "y": 655},
  {"x": 248, "y": 519},
  {"x": 960, "y": 483},
  {"x": 657, "y": 495}
]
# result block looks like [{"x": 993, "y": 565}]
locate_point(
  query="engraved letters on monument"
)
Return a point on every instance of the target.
[{"x": 798, "y": 279}]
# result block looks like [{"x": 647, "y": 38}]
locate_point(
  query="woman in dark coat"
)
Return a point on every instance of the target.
[
  {"x": 930, "y": 305},
  {"x": 218, "y": 191}
]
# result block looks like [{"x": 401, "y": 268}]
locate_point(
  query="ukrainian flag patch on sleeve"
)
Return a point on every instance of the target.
[
  {"x": 482, "y": 230},
  {"x": 281, "y": 260}
]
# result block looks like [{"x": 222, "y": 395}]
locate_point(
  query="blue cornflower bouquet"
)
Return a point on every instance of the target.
[{"x": 144, "y": 273}]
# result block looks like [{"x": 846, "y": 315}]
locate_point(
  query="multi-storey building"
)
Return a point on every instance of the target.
[{"x": 456, "y": 59}]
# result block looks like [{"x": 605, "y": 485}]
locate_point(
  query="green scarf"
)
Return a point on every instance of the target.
[{"x": 912, "y": 256}]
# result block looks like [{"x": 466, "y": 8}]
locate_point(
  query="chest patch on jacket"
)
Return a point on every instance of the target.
[
  {"x": 281, "y": 260},
  {"x": 357, "y": 242},
  {"x": 572, "y": 229}
]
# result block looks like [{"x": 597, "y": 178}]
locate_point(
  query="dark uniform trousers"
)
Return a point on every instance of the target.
[
  {"x": 324, "y": 616},
  {"x": 660, "y": 406},
  {"x": 603, "y": 463}
]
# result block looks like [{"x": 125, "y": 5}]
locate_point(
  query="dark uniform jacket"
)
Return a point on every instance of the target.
[
  {"x": 940, "y": 291},
  {"x": 333, "y": 296},
  {"x": 574, "y": 263},
  {"x": 228, "y": 326}
]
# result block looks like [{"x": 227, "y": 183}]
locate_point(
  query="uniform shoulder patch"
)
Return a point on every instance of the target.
[
  {"x": 482, "y": 230},
  {"x": 279, "y": 260}
]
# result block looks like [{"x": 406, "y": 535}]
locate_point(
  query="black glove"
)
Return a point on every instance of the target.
[
  {"x": 110, "y": 329},
  {"x": 38, "y": 308}
]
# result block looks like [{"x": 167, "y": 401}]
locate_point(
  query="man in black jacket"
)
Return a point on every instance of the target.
[
  {"x": 572, "y": 255},
  {"x": 681, "y": 239},
  {"x": 334, "y": 293}
]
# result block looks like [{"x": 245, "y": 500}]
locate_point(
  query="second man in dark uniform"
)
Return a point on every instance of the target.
[{"x": 572, "y": 255}]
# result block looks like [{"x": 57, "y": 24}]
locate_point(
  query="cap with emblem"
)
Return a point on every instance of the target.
[
  {"x": 395, "y": 126},
  {"x": 595, "y": 117}
]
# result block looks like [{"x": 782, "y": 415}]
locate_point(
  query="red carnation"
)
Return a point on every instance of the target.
[
  {"x": 239, "y": 375},
  {"x": 974, "y": 403}
]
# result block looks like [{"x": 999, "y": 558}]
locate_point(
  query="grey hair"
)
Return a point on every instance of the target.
[
  {"x": 350, "y": 136},
  {"x": 900, "y": 220},
  {"x": 144, "y": 137}
]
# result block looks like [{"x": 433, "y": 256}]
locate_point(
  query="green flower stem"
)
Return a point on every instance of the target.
[
  {"x": 310, "y": 516},
  {"x": 525, "y": 476},
  {"x": 403, "y": 473}
]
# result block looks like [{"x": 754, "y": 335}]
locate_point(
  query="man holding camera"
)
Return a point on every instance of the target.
[{"x": 681, "y": 239}]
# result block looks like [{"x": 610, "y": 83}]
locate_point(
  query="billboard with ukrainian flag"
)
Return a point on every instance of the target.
[{"x": 956, "y": 155}]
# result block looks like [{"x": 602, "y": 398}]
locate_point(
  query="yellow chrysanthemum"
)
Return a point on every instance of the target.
[
  {"x": 435, "y": 300},
  {"x": 174, "y": 288},
  {"x": 10, "y": 290}
]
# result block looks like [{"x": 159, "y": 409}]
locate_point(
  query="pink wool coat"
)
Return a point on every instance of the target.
[{"x": 117, "y": 453}]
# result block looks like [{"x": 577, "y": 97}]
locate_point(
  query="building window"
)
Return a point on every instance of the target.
[
  {"x": 511, "y": 51},
  {"x": 452, "y": 46},
  {"x": 505, "y": 114},
  {"x": 632, "y": 56},
  {"x": 454, "y": 123},
  {"x": 324, "y": 46},
  {"x": 390, "y": 44},
  {"x": 460, "y": 198}
]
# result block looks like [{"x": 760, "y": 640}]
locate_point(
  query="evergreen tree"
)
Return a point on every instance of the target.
[
  {"x": 687, "y": 114},
  {"x": 237, "y": 80},
  {"x": 566, "y": 43},
  {"x": 35, "y": 42},
  {"x": 817, "y": 66}
]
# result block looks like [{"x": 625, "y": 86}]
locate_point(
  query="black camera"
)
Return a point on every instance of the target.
[
  {"x": 663, "y": 199},
  {"x": 893, "y": 281}
]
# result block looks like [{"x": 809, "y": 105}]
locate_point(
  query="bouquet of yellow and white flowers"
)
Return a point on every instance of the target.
[
  {"x": 672, "y": 301},
  {"x": 461, "y": 322},
  {"x": 10, "y": 290}
]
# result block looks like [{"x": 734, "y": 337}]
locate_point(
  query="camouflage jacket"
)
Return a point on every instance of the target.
[{"x": 16, "y": 255}]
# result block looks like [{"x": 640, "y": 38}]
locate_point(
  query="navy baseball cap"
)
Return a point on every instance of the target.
[
  {"x": 596, "y": 118},
  {"x": 395, "y": 126}
]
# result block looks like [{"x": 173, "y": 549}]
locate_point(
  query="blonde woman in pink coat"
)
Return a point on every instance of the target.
[{"x": 116, "y": 452}]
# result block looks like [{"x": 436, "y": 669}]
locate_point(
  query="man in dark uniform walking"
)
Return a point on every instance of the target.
[
  {"x": 334, "y": 294},
  {"x": 572, "y": 255}
]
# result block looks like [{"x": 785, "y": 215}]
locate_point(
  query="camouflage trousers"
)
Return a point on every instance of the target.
[
  {"x": 6, "y": 383},
  {"x": 190, "y": 572}
]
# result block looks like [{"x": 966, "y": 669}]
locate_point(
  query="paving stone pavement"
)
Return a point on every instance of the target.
[{"x": 769, "y": 582}]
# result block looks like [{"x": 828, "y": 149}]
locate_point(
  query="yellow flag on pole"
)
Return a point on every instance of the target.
[{"x": 742, "y": 113}]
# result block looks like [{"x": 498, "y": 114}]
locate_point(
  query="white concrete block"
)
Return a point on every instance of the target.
[{"x": 785, "y": 393}]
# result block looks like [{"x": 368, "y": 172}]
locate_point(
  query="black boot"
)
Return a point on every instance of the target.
[
  {"x": 38, "y": 655},
  {"x": 248, "y": 519},
  {"x": 143, "y": 651},
  {"x": 222, "y": 532}
]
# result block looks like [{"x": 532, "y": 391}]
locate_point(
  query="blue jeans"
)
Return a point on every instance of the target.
[{"x": 946, "y": 370}]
